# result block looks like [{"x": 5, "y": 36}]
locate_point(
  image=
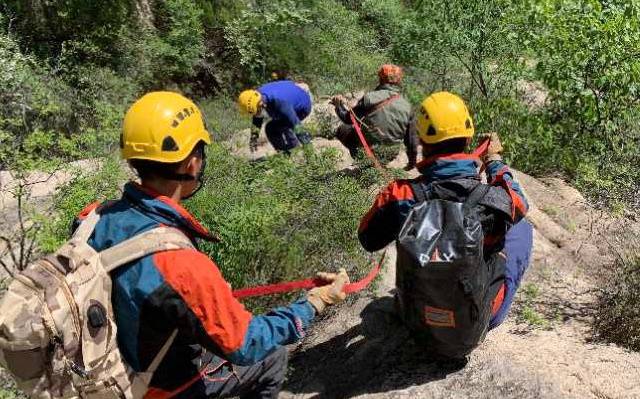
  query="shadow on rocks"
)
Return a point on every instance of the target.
[{"x": 376, "y": 356}]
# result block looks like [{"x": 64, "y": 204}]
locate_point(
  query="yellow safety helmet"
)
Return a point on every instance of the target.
[
  {"x": 249, "y": 100},
  {"x": 162, "y": 126},
  {"x": 443, "y": 116}
]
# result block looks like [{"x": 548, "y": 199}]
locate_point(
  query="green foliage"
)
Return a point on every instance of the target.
[
  {"x": 31, "y": 114},
  {"x": 179, "y": 44},
  {"x": 320, "y": 41},
  {"x": 282, "y": 219},
  {"x": 223, "y": 119},
  {"x": 618, "y": 315},
  {"x": 588, "y": 60},
  {"x": 89, "y": 186},
  {"x": 527, "y": 310}
]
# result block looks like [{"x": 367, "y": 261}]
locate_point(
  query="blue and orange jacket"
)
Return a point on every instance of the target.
[
  {"x": 506, "y": 202},
  {"x": 184, "y": 290},
  {"x": 285, "y": 102}
]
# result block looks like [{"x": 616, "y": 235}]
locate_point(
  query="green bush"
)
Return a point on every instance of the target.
[
  {"x": 33, "y": 118},
  {"x": 282, "y": 219},
  {"x": 223, "y": 117},
  {"x": 319, "y": 41},
  {"x": 70, "y": 199},
  {"x": 618, "y": 315},
  {"x": 587, "y": 59}
]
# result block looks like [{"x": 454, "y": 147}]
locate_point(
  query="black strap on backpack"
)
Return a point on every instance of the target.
[
  {"x": 475, "y": 196},
  {"x": 418, "y": 192}
]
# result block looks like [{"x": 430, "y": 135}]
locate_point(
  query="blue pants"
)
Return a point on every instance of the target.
[
  {"x": 518, "y": 246},
  {"x": 281, "y": 136}
]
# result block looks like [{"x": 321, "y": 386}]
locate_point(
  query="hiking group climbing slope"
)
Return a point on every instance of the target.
[{"x": 463, "y": 248}]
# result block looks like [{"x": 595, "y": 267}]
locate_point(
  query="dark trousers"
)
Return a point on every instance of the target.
[
  {"x": 348, "y": 136},
  {"x": 283, "y": 138},
  {"x": 262, "y": 380},
  {"x": 518, "y": 245}
]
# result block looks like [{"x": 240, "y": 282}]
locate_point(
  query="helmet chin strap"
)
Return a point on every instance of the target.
[
  {"x": 182, "y": 177},
  {"x": 199, "y": 177}
]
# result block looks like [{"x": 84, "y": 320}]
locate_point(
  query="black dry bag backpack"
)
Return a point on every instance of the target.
[{"x": 445, "y": 284}]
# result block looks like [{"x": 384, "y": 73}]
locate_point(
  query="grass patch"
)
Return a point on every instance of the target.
[
  {"x": 223, "y": 117},
  {"x": 282, "y": 219},
  {"x": 533, "y": 318},
  {"x": 527, "y": 312}
]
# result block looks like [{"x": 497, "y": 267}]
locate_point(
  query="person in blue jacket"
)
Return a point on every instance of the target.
[
  {"x": 221, "y": 349},
  {"x": 282, "y": 105},
  {"x": 445, "y": 129}
]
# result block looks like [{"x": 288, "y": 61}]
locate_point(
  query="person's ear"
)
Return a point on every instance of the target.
[{"x": 192, "y": 165}]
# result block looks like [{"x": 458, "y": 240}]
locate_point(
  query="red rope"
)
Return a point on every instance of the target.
[
  {"x": 481, "y": 151},
  {"x": 367, "y": 148},
  {"x": 482, "y": 148},
  {"x": 290, "y": 286}
]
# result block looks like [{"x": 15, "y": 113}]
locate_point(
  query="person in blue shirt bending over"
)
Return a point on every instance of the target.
[{"x": 282, "y": 105}]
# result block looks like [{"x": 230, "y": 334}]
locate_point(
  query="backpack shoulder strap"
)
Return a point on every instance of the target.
[
  {"x": 378, "y": 106},
  {"x": 155, "y": 363},
  {"x": 418, "y": 192},
  {"x": 479, "y": 191},
  {"x": 141, "y": 245},
  {"x": 86, "y": 227}
]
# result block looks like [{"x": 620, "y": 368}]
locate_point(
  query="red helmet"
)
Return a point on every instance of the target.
[{"x": 389, "y": 73}]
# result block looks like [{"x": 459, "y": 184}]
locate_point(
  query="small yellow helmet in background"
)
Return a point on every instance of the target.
[
  {"x": 248, "y": 101},
  {"x": 162, "y": 126},
  {"x": 443, "y": 116}
]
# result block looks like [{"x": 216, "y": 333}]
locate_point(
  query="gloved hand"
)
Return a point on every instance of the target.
[
  {"x": 495, "y": 147},
  {"x": 321, "y": 297},
  {"x": 253, "y": 140},
  {"x": 338, "y": 100}
]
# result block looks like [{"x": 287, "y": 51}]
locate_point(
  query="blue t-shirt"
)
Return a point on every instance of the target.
[{"x": 285, "y": 101}]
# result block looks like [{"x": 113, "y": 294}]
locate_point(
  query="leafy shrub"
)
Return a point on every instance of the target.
[
  {"x": 178, "y": 45},
  {"x": 32, "y": 116},
  {"x": 587, "y": 58},
  {"x": 89, "y": 186},
  {"x": 282, "y": 219},
  {"x": 224, "y": 120},
  {"x": 618, "y": 315},
  {"x": 320, "y": 41},
  {"x": 46, "y": 120}
]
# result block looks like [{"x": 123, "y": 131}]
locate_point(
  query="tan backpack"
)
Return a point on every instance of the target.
[{"x": 57, "y": 329}]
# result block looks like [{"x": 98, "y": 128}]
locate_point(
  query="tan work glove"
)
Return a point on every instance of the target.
[
  {"x": 495, "y": 147},
  {"x": 321, "y": 297}
]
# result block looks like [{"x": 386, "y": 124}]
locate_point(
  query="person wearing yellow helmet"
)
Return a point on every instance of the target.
[
  {"x": 179, "y": 296},
  {"x": 281, "y": 105},
  {"x": 420, "y": 215}
]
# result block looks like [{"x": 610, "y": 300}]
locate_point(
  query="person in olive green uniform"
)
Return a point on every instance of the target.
[{"x": 385, "y": 117}]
